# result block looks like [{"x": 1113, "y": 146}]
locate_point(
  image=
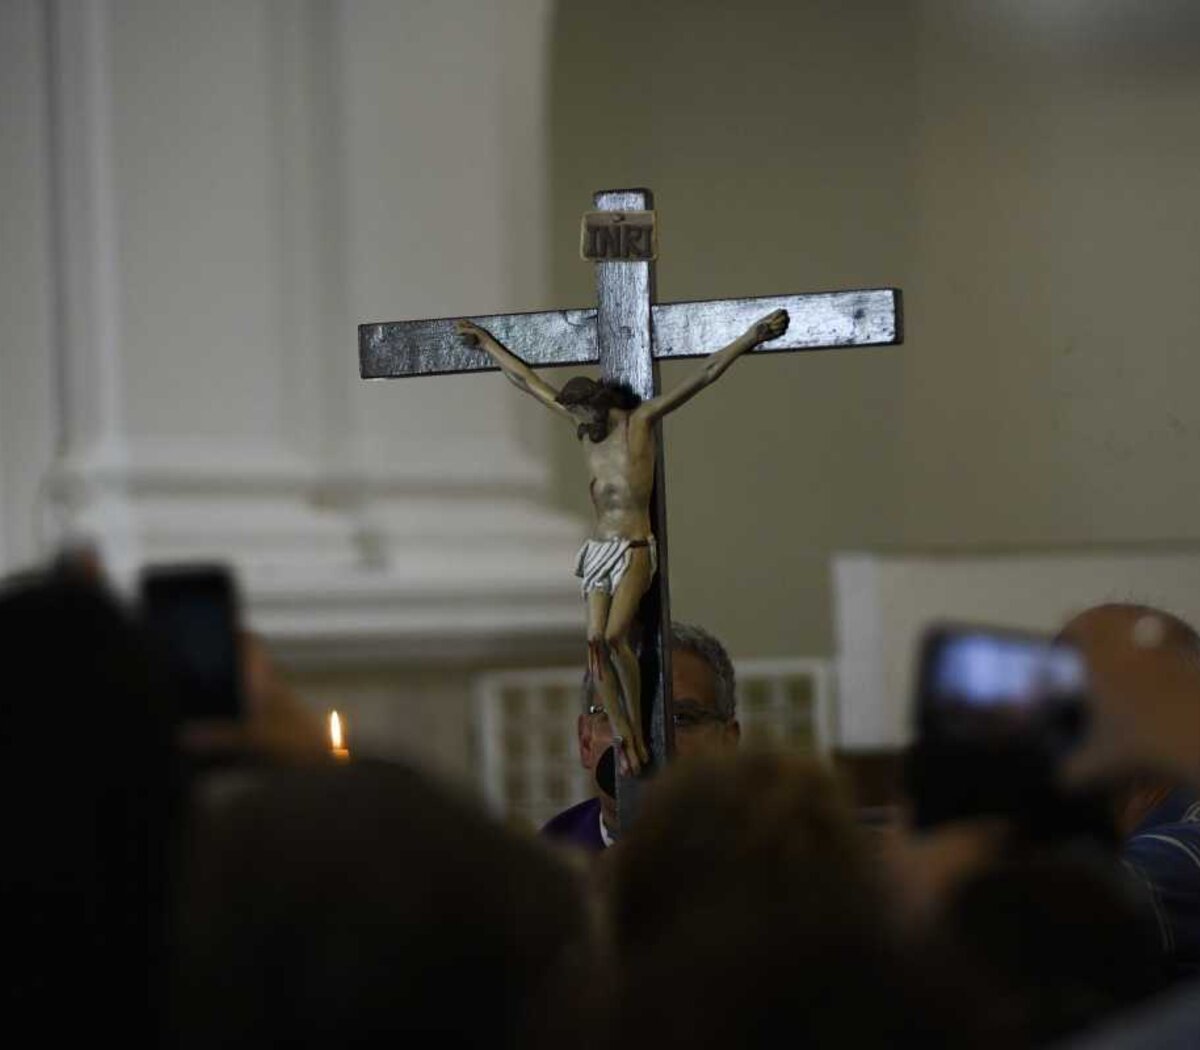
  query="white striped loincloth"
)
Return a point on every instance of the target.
[{"x": 600, "y": 564}]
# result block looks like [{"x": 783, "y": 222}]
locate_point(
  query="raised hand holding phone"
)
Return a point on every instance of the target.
[{"x": 234, "y": 703}]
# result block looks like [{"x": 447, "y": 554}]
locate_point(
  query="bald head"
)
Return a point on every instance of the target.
[
  {"x": 1144, "y": 670},
  {"x": 1120, "y": 628}
]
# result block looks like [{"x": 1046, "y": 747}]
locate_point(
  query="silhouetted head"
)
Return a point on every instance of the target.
[
  {"x": 744, "y": 895},
  {"x": 366, "y": 905},
  {"x": 86, "y": 765},
  {"x": 1061, "y": 935},
  {"x": 590, "y": 400}
]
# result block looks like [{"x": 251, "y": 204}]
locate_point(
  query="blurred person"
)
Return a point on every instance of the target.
[
  {"x": 1163, "y": 850},
  {"x": 89, "y": 774},
  {"x": 1167, "y": 1022},
  {"x": 704, "y": 696},
  {"x": 98, "y": 759},
  {"x": 1059, "y": 933},
  {"x": 1134, "y": 652},
  {"x": 1013, "y": 873},
  {"x": 1145, "y": 695},
  {"x": 362, "y": 905},
  {"x": 747, "y": 910},
  {"x": 1052, "y": 929}
]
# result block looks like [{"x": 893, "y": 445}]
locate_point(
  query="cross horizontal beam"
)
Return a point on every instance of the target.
[{"x": 819, "y": 321}]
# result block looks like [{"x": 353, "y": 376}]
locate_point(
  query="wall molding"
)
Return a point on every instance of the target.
[{"x": 447, "y": 546}]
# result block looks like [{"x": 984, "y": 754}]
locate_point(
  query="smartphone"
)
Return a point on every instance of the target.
[
  {"x": 977, "y": 685},
  {"x": 191, "y": 612},
  {"x": 995, "y": 710}
]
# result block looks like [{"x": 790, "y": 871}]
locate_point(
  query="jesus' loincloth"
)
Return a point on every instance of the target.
[{"x": 601, "y": 563}]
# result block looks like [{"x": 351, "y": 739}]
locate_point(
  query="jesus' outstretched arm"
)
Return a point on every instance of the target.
[
  {"x": 770, "y": 327},
  {"x": 517, "y": 371}
]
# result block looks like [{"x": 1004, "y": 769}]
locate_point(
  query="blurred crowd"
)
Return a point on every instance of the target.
[{"x": 222, "y": 880}]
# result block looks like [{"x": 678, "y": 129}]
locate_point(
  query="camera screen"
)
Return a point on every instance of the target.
[
  {"x": 983, "y": 670},
  {"x": 192, "y": 613},
  {"x": 980, "y": 684}
]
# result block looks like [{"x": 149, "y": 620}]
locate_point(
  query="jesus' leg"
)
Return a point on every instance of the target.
[
  {"x": 604, "y": 678},
  {"x": 625, "y": 602}
]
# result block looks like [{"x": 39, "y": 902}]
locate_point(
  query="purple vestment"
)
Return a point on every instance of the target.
[{"x": 578, "y": 826}]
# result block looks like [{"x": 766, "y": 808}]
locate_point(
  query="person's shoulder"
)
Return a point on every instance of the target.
[
  {"x": 580, "y": 823},
  {"x": 1168, "y": 847},
  {"x": 570, "y": 818}
]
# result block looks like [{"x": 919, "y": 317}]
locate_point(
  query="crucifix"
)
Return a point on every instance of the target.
[{"x": 624, "y": 566}]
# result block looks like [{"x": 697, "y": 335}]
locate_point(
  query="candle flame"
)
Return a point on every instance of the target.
[{"x": 335, "y": 731}]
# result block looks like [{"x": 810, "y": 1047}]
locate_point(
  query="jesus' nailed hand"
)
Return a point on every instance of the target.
[{"x": 616, "y": 565}]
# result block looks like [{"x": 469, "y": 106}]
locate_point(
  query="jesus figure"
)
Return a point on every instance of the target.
[{"x": 616, "y": 566}]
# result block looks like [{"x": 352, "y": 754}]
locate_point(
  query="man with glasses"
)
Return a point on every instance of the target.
[{"x": 703, "y": 688}]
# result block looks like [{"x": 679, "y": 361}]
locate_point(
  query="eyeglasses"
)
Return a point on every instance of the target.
[
  {"x": 693, "y": 719},
  {"x": 688, "y": 718}
]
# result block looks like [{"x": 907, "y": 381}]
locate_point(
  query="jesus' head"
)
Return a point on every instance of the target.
[{"x": 590, "y": 401}]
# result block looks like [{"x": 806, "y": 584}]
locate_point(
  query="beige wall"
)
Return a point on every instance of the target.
[
  {"x": 1028, "y": 177},
  {"x": 1057, "y": 165}
]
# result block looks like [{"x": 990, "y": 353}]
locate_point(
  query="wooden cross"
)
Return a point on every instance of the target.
[{"x": 626, "y": 335}]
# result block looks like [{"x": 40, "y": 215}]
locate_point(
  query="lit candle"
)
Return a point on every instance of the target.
[{"x": 337, "y": 746}]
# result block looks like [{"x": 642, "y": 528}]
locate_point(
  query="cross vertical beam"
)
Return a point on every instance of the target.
[{"x": 624, "y": 297}]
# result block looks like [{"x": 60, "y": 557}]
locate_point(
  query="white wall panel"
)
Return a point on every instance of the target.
[{"x": 226, "y": 190}]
